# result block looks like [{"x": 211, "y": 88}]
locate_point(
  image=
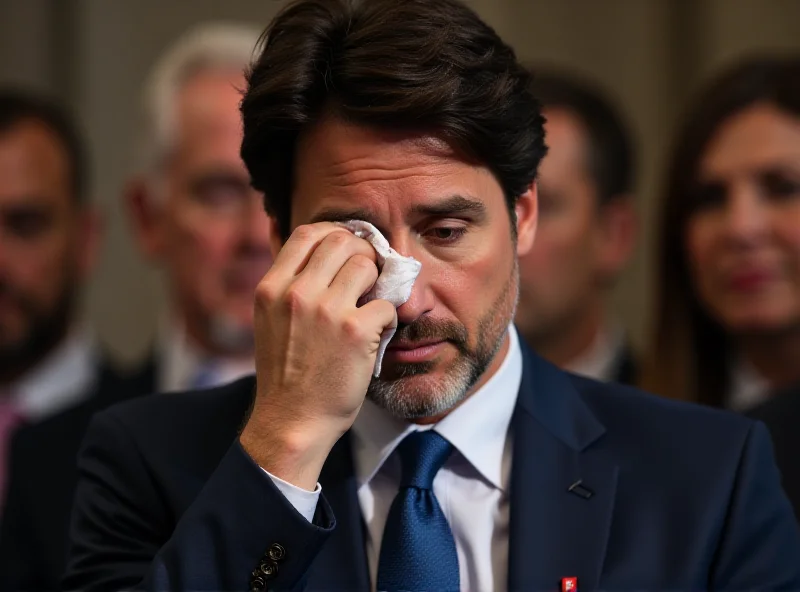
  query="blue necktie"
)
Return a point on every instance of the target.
[{"x": 418, "y": 551}]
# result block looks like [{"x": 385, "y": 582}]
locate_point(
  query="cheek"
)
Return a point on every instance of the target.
[
  {"x": 203, "y": 243},
  {"x": 699, "y": 240},
  {"x": 787, "y": 231}
]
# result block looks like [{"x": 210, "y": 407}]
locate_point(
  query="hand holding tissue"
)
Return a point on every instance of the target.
[{"x": 395, "y": 280}]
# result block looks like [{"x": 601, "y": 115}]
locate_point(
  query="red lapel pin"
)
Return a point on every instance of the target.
[{"x": 569, "y": 584}]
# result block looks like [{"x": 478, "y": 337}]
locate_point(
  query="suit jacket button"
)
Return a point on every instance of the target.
[
  {"x": 268, "y": 569},
  {"x": 257, "y": 584},
  {"x": 276, "y": 552}
]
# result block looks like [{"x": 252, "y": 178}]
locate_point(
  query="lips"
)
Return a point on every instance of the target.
[
  {"x": 749, "y": 280},
  {"x": 411, "y": 345},
  {"x": 414, "y": 351}
]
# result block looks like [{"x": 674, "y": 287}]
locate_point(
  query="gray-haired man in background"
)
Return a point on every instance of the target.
[{"x": 196, "y": 217}]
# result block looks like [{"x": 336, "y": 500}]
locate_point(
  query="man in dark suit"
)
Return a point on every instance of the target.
[
  {"x": 586, "y": 233},
  {"x": 466, "y": 462},
  {"x": 217, "y": 252},
  {"x": 33, "y": 533}
]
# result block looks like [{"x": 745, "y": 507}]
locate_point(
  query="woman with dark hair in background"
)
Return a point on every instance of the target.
[{"x": 727, "y": 316}]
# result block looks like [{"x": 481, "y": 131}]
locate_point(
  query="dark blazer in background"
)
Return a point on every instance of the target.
[
  {"x": 672, "y": 496},
  {"x": 781, "y": 413},
  {"x": 627, "y": 367},
  {"x": 34, "y": 533}
]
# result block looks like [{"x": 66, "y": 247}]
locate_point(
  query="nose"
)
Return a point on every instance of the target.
[
  {"x": 422, "y": 298},
  {"x": 746, "y": 217}
]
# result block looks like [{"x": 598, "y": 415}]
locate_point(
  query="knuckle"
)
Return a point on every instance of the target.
[
  {"x": 304, "y": 233},
  {"x": 295, "y": 300},
  {"x": 363, "y": 263},
  {"x": 266, "y": 292},
  {"x": 353, "y": 329}
]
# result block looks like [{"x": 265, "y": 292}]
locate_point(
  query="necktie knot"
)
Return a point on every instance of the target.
[{"x": 422, "y": 454}]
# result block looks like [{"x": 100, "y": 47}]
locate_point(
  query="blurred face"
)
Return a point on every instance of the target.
[
  {"x": 449, "y": 215},
  {"x": 46, "y": 245},
  {"x": 743, "y": 239},
  {"x": 576, "y": 247},
  {"x": 209, "y": 227}
]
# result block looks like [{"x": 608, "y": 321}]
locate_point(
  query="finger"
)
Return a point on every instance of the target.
[
  {"x": 296, "y": 251},
  {"x": 379, "y": 315},
  {"x": 354, "y": 279},
  {"x": 328, "y": 258}
]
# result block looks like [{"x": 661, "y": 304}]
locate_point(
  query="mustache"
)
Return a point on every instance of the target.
[
  {"x": 8, "y": 292},
  {"x": 431, "y": 329}
]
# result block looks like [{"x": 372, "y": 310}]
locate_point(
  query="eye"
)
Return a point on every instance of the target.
[
  {"x": 778, "y": 186},
  {"x": 446, "y": 234},
  {"x": 707, "y": 196}
]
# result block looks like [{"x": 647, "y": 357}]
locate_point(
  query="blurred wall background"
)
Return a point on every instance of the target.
[{"x": 649, "y": 54}]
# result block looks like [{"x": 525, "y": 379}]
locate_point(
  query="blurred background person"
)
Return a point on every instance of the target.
[
  {"x": 727, "y": 308},
  {"x": 727, "y": 302},
  {"x": 586, "y": 233},
  {"x": 194, "y": 214},
  {"x": 49, "y": 236}
]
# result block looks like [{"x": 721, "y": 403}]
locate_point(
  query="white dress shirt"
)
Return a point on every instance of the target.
[
  {"x": 601, "y": 361},
  {"x": 64, "y": 377},
  {"x": 471, "y": 487},
  {"x": 181, "y": 361},
  {"x": 748, "y": 387}
]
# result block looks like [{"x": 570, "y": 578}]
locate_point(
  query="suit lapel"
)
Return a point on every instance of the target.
[
  {"x": 555, "y": 532},
  {"x": 342, "y": 562}
]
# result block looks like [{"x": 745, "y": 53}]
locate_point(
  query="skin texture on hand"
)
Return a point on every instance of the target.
[{"x": 315, "y": 349}]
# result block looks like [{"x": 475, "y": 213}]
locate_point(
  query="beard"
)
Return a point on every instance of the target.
[
  {"x": 43, "y": 329},
  {"x": 230, "y": 335},
  {"x": 403, "y": 390}
]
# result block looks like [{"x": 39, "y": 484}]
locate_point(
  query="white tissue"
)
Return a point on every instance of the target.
[{"x": 396, "y": 277}]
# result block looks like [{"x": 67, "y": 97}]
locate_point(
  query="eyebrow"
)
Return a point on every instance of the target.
[{"x": 450, "y": 206}]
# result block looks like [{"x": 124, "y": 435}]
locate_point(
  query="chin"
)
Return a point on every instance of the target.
[
  {"x": 762, "y": 321},
  {"x": 414, "y": 391}
]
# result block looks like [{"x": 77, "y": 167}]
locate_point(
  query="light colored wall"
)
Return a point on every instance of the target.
[{"x": 649, "y": 53}]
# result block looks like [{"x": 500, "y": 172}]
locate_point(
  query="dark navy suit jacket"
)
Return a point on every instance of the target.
[{"x": 672, "y": 497}]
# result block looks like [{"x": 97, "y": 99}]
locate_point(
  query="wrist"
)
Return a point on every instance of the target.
[{"x": 294, "y": 452}]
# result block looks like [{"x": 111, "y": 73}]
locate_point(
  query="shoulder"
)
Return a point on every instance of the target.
[
  {"x": 781, "y": 410},
  {"x": 183, "y": 416},
  {"x": 654, "y": 429}
]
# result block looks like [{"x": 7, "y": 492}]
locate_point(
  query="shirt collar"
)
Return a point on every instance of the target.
[
  {"x": 477, "y": 428},
  {"x": 182, "y": 360},
  {"x": 60, "y": 379},
  {"x": 748, "y": 387},
  {"x": 602, "y": 359}
]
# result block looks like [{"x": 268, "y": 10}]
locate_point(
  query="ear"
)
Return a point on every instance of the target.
[
  {"x": 619, "y": 229},
  {"x": 145, "y": 215},
  {"x": 275, "y": 239},
  {"x": 527, "y": 210},
  {"x": 91, "y": 228}
]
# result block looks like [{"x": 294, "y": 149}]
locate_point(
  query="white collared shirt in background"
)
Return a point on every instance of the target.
[
  {"x": 181, "y": 361},
  {"x": 62, "y": 379},
  {"x": 602, "y": 360},
  {"x": 471, "y": 487},
  {"x": 748, "y": 388}
]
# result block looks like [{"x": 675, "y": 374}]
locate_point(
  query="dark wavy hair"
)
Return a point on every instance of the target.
[
  {"x": 427, "y": 65},
  {"x": 689, "y": 353}
]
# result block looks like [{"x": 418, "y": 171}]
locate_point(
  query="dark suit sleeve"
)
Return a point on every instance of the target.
[
  {"x": 122, "y": 531},
  {"x": 17, "y": 561},
  {"x": 760, "y": 545}
]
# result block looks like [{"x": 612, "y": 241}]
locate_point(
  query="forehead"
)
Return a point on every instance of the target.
[
  {"x": 33, "y": 164},
  {"x": 385, "y": 173},
  {"x": 565, "y": 135},
  {"x": 760, "y": 136},
  {"x": 207, "y": 108}
]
